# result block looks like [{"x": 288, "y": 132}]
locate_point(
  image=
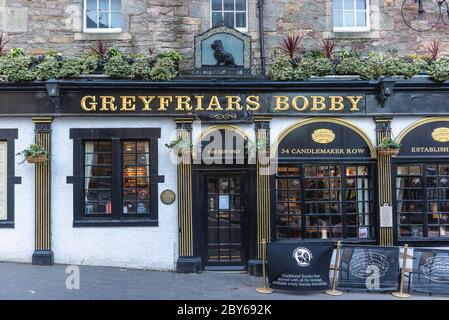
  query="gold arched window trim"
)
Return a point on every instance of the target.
[
  {"x": 417, "y": 124},
  {"x": 341, "y": 122}
]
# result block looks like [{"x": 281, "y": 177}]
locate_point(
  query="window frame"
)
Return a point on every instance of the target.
[
  {"x": 425, "y": 225},
  {"x": 117, "y": 137},
  {"x": 10, "y": 135},
  {"x": 100, "y": 30},
  {"x": 343, "y": 164},
  {"x": 243, "y": 30},
  {"x": 366, "y": 28}
]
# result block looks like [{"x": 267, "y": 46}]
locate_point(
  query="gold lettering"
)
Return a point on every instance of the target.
[
  {"x": 183, "y": 103},
  {"x": 305, "y": 103},
  {"x": 336, "y": 103},
  {"x": 91, "y": 106},
  {"x": 199, "y": 103},
  {"x": 234, "y": 103},
  {"x": 108, "y": 101},
  {"x": 354, "y": 102},
  {"x": 214, "y": 104},
  {"x": 128, "y": 103},
  {"x": 318, "y": 103},
  {"x": 281, "y": 103},
  {"x": 146, "y": 102},
  {"x": 164, "y": 102},
  {"x": 252, "y": 103}
]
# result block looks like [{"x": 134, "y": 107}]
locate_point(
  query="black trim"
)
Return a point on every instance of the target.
[
  {"x": 116, "y": 135},
  {"x": 10, "y": 135}
]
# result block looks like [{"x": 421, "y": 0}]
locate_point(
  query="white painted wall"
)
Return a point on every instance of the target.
[
  {"x": 17, "y": 245},
  {"x": 152, "y": 248}
]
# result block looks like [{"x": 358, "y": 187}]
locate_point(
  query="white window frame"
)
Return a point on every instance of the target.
[
  {"x": 99, "y": 30},
  {"x": 235, "y": 12},
  {"x": 354, "y": 29}
]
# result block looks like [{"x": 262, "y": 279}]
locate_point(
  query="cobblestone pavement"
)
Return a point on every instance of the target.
[{"x": 24, "y": 281}]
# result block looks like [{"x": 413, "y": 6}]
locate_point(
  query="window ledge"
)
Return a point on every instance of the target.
[
  {"x": 352, "y": 34},
  {"x": 89, "y": 36},
  {"x": 116, "y": 223}
]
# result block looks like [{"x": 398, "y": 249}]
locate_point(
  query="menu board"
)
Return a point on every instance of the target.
[{"x": 3, "y": 180}]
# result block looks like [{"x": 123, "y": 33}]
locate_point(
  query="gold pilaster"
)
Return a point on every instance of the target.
[
  {"x": 383, "y": 130},
  {"x": 263, "y": 184},
  {"x": 43, "y": 254}
]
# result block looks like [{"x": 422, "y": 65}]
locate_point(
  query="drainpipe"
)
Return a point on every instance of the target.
[{"x": 261, "y": 36}]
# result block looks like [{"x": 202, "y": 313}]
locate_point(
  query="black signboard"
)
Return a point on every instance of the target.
[
  {"x": 299, "y": 266},
  {"x": 323, "y": 140},
  {"x": 369, "y": 268},
  {"x": 430, "y": 271},
  {"x": 428, "y": 140}
]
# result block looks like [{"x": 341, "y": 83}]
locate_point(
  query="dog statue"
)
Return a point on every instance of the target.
[{"x": 223, "y": 57}]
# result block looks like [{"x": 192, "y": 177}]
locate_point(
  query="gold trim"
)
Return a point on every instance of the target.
[
  {"x": 441, "y": 134},
  {"x": 323, "y": 136},
  {"x": 42, "y": 119},
  {"x": 417, "y": 124},
  {"x": 347, "y": 124}
]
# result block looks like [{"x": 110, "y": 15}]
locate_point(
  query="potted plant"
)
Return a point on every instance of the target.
[
  {"x": 34, "y": 154},
  {"x": 389, "y": 147},
  {"x": 179, "y": 145}
]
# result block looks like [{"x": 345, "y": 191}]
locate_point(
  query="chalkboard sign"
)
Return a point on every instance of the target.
[
  {"x": 299, "y": 266},
  {"x": 430, "y": 271},
  {"x": 369, "y": 268}
]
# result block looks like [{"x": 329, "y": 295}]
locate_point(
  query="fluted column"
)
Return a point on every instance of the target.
[
  {"x": 43, "y": 254},
  {"x": 383, "y": 130}
]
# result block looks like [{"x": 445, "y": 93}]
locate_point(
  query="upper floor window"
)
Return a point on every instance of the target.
[
  {"x": 102, "y": 16},
  {"x": 351, "y": 15},
  {"x": 231, "y": 13}
]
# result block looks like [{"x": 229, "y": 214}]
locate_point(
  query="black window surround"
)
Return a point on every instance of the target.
[
  {"x": 116, "y": 136},
  {"x": 302, "y": 227},
  {"x": 10, "y": 135}
]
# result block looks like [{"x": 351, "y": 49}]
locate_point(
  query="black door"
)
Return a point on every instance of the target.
[{"x": 224, "y": 214}]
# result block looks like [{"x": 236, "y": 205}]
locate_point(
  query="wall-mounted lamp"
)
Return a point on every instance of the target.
[
  {"x": 53, "y": 87},
  {"x": 386, "y": 86}
]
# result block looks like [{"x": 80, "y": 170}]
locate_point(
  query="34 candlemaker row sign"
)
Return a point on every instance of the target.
[
  {"x": 430, "y": 271},
  {"x": 299, "y": 266},
  {"x": 368, "y": 268}
]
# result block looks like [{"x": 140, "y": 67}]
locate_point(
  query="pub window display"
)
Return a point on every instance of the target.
[
  {"x": 99, "y": 161},
  {"x": 422, "y": 194},
  {"x": 324, "y": 202}
]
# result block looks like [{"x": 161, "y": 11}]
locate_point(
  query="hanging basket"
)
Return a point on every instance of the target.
[
  {"x": 388, "y": 151},
  {"x": 37, "y": 159}
]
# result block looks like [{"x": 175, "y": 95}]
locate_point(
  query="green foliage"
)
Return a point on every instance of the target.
[
  {"x": 317, "y": 66},
  {"x": 141, "y": 68},
  {"x": 345, "y": 54},
  {"x": 163, "y": 70},
  {"x": 114, "y": 52},
  {"x": 49, "y": 68},
  {"x": 33, "y": 150},
  {"x": 439, "y": 70},
  {"x": 53, "y": 53},
  {"x": 117, "y": 67},
  {"x": 16, "y": 52},
  {"x": 389, "y": 143},
  {"x": 15, "y": 68},
  {"x": 70, "y": 67},
  {"x": 348, "y": 65},
  {"x": 89, "y": 63},
  {"x": 313, "y": 54},
  {"x": 173, "y": 55},
  {"x": 281, "y": 68}
]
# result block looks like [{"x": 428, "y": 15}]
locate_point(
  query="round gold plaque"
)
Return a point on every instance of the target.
[
  {"x": 168, "y": 196},
  {"x": 441, "y": 134},
  {"x": 323, "y": 136}
]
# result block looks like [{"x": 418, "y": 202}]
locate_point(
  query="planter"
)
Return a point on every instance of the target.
[
  {"x": 36, "y": 159},
  {"x": 388, "y": 151}
]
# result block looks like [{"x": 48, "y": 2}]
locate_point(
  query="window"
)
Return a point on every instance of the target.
[
  {"x": 102, "y": 16},
  {"x": 351, "y": 15},
  {"x": 324, "y": 201},
  {"x": 117, "y": 177},
  {"x": 231, "y": 13},
  {"x": 422, "y": 194},
  {"x": 7, "y": 178}
]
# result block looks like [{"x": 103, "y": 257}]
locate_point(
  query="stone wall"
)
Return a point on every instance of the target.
[{"x": 161, "y": 24}]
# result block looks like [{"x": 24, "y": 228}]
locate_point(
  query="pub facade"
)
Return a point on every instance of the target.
[{"x": 197, "y": 173}]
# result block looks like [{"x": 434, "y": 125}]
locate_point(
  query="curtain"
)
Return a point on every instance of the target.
[
  {"x": 89, "y": 160},
  {"x": 3, "y": 180}
]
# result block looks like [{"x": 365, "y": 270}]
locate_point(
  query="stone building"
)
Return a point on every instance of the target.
[{"x": 159, "y": 24}]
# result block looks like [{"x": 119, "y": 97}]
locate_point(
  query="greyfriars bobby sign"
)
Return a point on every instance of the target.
[{"x": 222, "y": 51}]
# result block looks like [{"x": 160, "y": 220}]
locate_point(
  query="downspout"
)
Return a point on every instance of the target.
[{"x": 261, "y": 36}]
